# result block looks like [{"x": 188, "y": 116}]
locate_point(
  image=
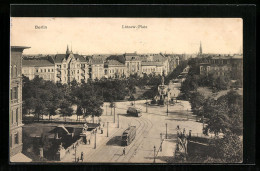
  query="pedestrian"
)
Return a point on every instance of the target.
[
  {"x": 123, "y": 151},
  {"x": 101, "y": 130},
  {"x": 184, "y": 132},
  {"x": 82, "y": 156},
  {"x": 78, "y": 159},
  {"x": 89, "y": 141},
  {"x": 189, "y": 134}
]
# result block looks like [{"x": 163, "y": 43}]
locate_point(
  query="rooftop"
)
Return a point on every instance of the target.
[
  {"x": 152, "y": 63},
  {"x": 114, "y": 62},
  {"x": 37, "y": 62}
]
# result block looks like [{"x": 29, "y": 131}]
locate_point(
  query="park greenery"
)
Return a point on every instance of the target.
[
  {"x": 42, "y": 97},
  {"x": 221, "y": 115}
]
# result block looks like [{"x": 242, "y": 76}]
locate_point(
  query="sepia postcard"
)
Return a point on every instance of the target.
[{"x": 126, "y": 90}]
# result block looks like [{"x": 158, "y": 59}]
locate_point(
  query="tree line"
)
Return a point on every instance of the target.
[
  {"x": 42, "y": 97},
  {"x": 222, "y": 115}
]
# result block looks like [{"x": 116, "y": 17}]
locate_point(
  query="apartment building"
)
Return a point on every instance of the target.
[{"x": 15, "y": 109}]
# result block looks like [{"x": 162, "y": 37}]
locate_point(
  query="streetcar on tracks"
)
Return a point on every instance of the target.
[
  {"x": 134, "y": 112},
  {"x": 128, "y": 135}
]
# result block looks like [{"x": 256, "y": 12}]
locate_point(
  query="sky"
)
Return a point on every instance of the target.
[{"x": 110, "y": 35}]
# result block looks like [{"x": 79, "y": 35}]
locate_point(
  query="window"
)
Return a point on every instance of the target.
[
  {"x": 17, "y": 115},
  {"x": 36, "y": 70},
  {"x": 14, "y": 93},
  {"x": 78, "y": 71},
  {"x": 16, "y": 140},
  {"x": 41, "y": 70},
  {"x": 48, "y": 70},
  {"x": 51, "y": 70},
  {"x": 11, "y": 137},
  {"x": 12, "y": 117},
  {"x": 14, "y": 71},
  {"x": 44, "y": 70}
]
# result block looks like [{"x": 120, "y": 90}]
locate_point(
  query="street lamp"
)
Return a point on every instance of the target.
[
  {"x": 161, "y": 142},
  {"x": 95, "y": 145},
  {"x": 75, "y": 147},
  {"x": 166, "y": 131},
  {"x": 117, "y": 120},
  {"x": 146, "y": 104},
  {"x": 107, "y": 129},
  {"x": 154, "y": 149}
]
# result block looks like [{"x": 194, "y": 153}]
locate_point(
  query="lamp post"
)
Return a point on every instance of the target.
[
  {"x": 75, "y": 147},
  {"x": 154, "y": 149},
  {"x": 161, "y": 141},
  {"x": 107, "y": 129},
  {"x": 166, "y": 131},
  {"x": 117, "y": 120},
  {"x": 167, "y": 106},
  {"x": 95, "y": 139},
  {"x": 114, "y": 113},
  {"x": 146, "y": 104}
]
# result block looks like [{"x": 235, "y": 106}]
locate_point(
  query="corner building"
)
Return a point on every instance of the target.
[{"x": 15, "y": 107}]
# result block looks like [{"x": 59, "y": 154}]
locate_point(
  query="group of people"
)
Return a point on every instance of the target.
[{"x": 182, "y": 133}]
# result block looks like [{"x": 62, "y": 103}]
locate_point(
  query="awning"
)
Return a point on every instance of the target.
[{"x": 20, "y": 157}]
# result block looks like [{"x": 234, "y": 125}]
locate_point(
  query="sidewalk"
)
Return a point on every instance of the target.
[
  {"x": 88, "y": 149},
  {"x": 168, "y": 151}
]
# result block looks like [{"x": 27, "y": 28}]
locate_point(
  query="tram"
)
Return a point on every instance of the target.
[
  {"x": 128, "y": 135},
  {"x": 134, "y": 111}
]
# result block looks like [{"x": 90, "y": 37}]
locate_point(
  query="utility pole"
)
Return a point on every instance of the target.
[
  {"x": 75, "y": 147},
  {"x": 161, "y": 142},
  {"x": 166, "y": 130},
  {"x": 154, "y": 149},
  {"x": 95, "y": 138},
  {"x": 106, "y": 109},
  {"x": 202, "y": 122},
  {"x": 187, "y": 114},
  {"x": 167, "y": 105},
  {"x": 146, "y": 105},
  {"x": 107, "y": 129},
  {"x": 114, "y": 113},
  {"x": 117, "y": 120}
]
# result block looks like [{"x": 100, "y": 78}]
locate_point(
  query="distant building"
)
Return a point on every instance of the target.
[
  {"x": 222, "y": 66},
  {"x": 41, "y": 67},
  {"x": 60, "y": 68},
  {"x": 115, "y": 69},
  {"x": 155, "y": 64},
  {"x": 133, "y": 63},
  {"x": 64, "y": 68},
  {"x": 15, "y": 109},
  {"x": 96, "y": 68}
]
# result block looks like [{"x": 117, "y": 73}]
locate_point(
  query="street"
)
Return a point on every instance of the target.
[{"x": 149, "y": 126}]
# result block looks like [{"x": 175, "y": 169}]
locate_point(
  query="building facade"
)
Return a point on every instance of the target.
[
  {"x": 133, "y": 64},
  {"x": 42, "y": 67},
  {"x": 96, "y": 68},
  {"x": 15, "y": 109},
  {"x": 60, "y": 68},
  {"x": 64, "y": 68},
  {"x": 222, "y": 66},
  {"x": 114, "y": 69},
  {"x": 155, "y": 64}
]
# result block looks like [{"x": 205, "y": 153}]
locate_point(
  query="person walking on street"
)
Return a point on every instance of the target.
[
  {"x": 82, "y": 156},
  {"x": 123, "y": 151}
]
